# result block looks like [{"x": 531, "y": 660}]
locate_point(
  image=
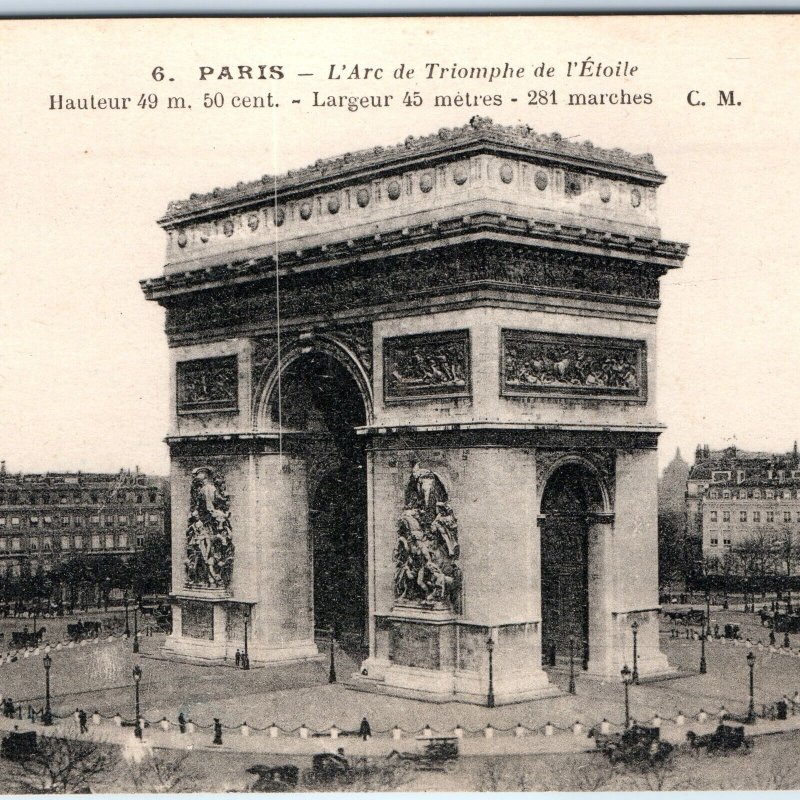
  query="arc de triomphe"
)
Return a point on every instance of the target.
[{"x": 414, "y": 402}]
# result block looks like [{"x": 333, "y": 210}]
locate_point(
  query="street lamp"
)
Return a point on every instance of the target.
[
  {"x": 47, "y": 717},
  {"x": 246, "y": 664},
  {"x": 127, "y": 623},
  {"x": 751, "y": 709},
  {"x": 703, "y": 637},
  {"x": 332, "y": 667},
  {"x": 136, "y": 626},
  {"x": 571, "y": 665},
  {"x": 708, "y": 613},
  {"x": 490, "y": 649},
  {"x": 137, "y": 676},
  {"x": 626, "y": 682},
  {"x": 635, "y": 629}
]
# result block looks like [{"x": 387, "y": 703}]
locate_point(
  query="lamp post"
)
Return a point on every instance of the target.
[
  {"x": 332, "y": 667},
  {"x": 47, "y": 717},
  {"x": 136, "y": 626},
  {"x": 703, "y": 636},
  {"x": 635, "y": 630},
  {"x": 137, "y": 676},
  {"x": 490, "y": 649},
  {"x": 751, "y": 708},
  {"x": 707, "y": 626},
  {"x": 127, "y": 623},
  {"x": 626, "y": 682},
  {"x": 571, "y": 689},
  {"x": 246, "y": 664}
]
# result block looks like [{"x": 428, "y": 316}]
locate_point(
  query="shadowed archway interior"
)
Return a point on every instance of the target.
[
  {"x": 570, "y": 495},
  {"x": 320, "y": 399}
]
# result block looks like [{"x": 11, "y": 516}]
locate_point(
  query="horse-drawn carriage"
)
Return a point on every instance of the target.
[
  {"x": 26, "y": 638},
  {"x": 637, "y": 745},
  {"x": 84, "y": 630},
  {"x": 687, "y": 616},
  {"x": 724, "y": 739}
]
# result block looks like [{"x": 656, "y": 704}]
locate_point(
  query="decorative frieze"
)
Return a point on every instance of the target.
[
  {"x": 572, "y": 366},
  {"x": 208, "y": 384},
  {"x": 427, "y": 365}
]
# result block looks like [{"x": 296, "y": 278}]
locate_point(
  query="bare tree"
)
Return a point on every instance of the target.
[
  {"x": 62, "y": 766},
  {"x": 788, "y": 552},
  {"x": 162, "y": 772}
]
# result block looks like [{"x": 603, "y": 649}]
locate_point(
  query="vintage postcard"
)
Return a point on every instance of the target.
[{"x": 399, "y": 404}]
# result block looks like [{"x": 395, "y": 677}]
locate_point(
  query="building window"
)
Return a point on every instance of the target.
[
  {"x": 123, "y": 519},
  {"x": 47, "y": 544},
  {"x": 714, "y": 542},
  {"x": 96, "y": 541},
  {"x": 109, "y": 519},
  {"x": 140, "y": 517},
  {"x": 743, "y": 495},
  {"x": 48, "y": 520},
  {"x": 65, "y": 522},
  {"x": 78, "y": 522},
  {"x": 770, "y": 494},
  {"x": 2, "y": 522},
  {"x": 726, "y": 495},
  {"x": 34, "y": 521},
  {"x": 770, "y": 516},
  {"x": 109, "y": 541},
  {"x": 123, "y": 540},
  {"x": 153, "y": 519},
  {"x": 153, "y": 497},
  {"x": 756, "y": 516},
  {"x": 787, "y": 516},
  {"x": 713, "y": 516},
  {"x": 726, "y": 542},
  {"x": 139, "y": 499},
  {"x": 95, "y": 519},
  {"x": 79, "y": 542},
  {"x": 756, "y": 494},
  {"x": 15, "y": 570},
  {"x": 64, "y": 499},
  {"x": 139, "y": 540},
  {"x": 742, "y": 516},
  {"x": 33, "y": 545},
  {"x": 726, "y": 516},
  {"x": 3, "y": 544},
  {"x": 65, "y": 542},
  {"x": 95, "y": 497},
  {"x": 16, "y": 545},
  {"x": 15, "y": 520}
]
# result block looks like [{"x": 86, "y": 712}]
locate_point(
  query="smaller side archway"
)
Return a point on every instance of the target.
[{"x": 573, "y": 494}]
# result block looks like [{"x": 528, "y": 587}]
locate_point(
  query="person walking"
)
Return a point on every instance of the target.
[
  {"x": 364, "y": 730},
  {"x": 217, "y": 731},
  {"x": 238, "y": 658},
  {"x": 181, "y": 723},
  {"x": 82, "y": 721}
]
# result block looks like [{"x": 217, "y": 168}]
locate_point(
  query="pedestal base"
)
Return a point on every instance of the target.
[{"x": 210, "y": 652}]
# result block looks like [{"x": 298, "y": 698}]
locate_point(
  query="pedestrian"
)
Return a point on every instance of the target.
[
  {"x": 786, "y": 641},
  {"x": 716, "y": 631},
  {"x": 181, "y": 723},
  {"x": 238, "y": 658},
  {"x": 217, "y": 731},
  {"x": 364, "y": 730},
  {"x": 82, "y": 721},
  {"x": 772, "y": 636}
]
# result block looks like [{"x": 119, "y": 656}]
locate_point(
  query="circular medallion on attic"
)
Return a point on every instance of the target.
[
  {"x": 572, "y": 184},
  {"x": 393, "y": 190},
  {"x": 605, "y": 192},
  {"x": 305, "y": 211},
  {"x": 460, "y": 175},
  {"x": 426, "y": 182},
  {"x": 636, "y": 198},
  {"x": 252, "y": 222},
  {"x": 540, "y": 180},
  {"x": 506, "y": 173},
  {"x": 227, "y": 227},
  {"x": 334, "y": 204},
  {"x": 182, "y": 239},
  {"x": 279, "y": 216},
  {"x": 363, "y": 197},
  {"x": 204, "y": 236}
]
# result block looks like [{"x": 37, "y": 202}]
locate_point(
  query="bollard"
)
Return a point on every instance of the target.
[
  {"x": 164, "y": 724},
  {"x": 96, "y": 718},
  {"x": 488, "y": 732},
  {"x": 548, "y": 729},
  {"x": 190, "y": 727},
  {"x": 59, "y": 646},
  {"x": 273, "y": 731},
  {"x": 334, "y": 732},
  {"x": 656, "y": 723},
  {"x": 245, "y": 729},
  {"x": 519, "y": 731},
  {"x": 303, "y": 732},
  {"x": 427, "y": 732},
  {"x": 702, "y": 716},
  {"x": 117, "y": 720},
  {"x": 605, "y": 726},
  {"x": 396, "y": 733},
  {"x": 577, "y": 728},
  {"x": 458, "y": 732},
  {"x": 723, "y": 712}
]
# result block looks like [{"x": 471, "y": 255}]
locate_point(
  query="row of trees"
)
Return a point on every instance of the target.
[{"x": 145, "y": 572}]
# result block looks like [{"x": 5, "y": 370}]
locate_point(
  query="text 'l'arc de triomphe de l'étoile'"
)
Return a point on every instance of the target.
[{"x": 414, "y": 403}]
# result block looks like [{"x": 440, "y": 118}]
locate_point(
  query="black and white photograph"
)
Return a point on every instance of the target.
[{"x": 399, "y": 404}]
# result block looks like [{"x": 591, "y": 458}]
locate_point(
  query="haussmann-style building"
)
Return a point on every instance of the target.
[{"x": 414, "y": 403}]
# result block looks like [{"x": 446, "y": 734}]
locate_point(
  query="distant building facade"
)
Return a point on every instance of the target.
[
  {"x": 672, "y": 486},
  {"x": 50, "y": 518},
  {"x": 734, "y": 496}
]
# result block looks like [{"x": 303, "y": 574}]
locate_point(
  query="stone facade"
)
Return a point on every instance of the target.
[{"x": 467, "y": 324}]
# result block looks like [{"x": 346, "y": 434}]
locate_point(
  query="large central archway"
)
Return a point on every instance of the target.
[
  {"x": 571, "y": 494},
  {"x": 319, "y": 397}
]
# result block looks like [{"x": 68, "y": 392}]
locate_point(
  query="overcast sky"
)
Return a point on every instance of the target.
[{"x": 83, "y": 357}]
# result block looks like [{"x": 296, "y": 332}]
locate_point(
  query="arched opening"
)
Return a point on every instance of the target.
[
  {"x": 319, "y": 398},
  {"x": 570, "y": 495}
]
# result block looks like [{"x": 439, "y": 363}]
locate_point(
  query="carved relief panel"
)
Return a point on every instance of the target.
[
  {"x": 197, "y": 620},
  {"x": 562, "y": 365},
  {"x": 208, "y": 384},
  {"x": 429, "y": 365}
]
